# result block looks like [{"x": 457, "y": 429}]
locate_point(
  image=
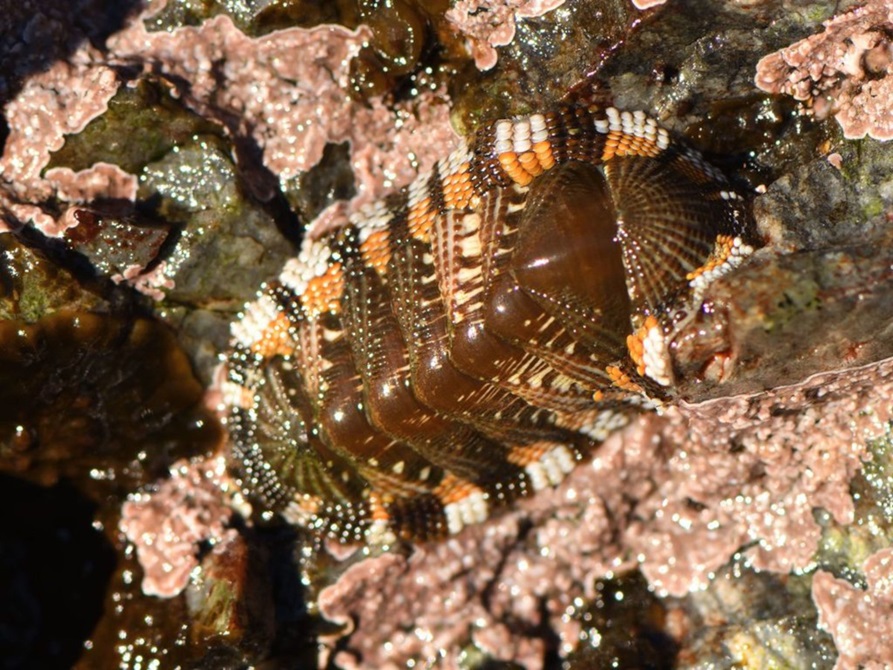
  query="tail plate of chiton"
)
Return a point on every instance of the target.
[{"x": 470, "y": 340}]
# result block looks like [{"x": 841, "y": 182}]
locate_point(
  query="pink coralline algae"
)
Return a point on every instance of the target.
[
  {"x": 488, "y": 24},
  {"x": 860, "y": 621},
  {"x": 167, "y": 525},
  {"x": 647, "y": 4},
  {"x": 845, "y": 71},
  {"x": 60, "y": 101},
  {"x": 286, "y": 91},
  {"x": 148, "y": 283},
  {"x": 677, "y": 495}
]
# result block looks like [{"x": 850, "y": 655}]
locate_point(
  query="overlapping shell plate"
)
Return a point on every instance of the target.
[{"x": 469, "y": 340}]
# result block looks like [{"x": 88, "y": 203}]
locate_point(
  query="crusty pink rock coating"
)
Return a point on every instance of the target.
[
  {"x": 165, "y": 526},
  {"x": 287, "y": 91},
  {"x": 678, "y": 495},
  {"x": 845, "y": 71},
  {"x": 860, "y": 621},
  {"x": 52, "y": 104},
  {"x": 488, "y": 24}
]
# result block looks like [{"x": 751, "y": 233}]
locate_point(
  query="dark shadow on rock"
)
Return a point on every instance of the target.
[
  {"x": 54, "y": 570},
  {"x": 259, "y": 182},
  {"x": 37, "y": 33}
]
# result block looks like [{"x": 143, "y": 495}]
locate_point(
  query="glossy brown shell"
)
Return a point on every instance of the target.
[{"x": 469, "y": 340}]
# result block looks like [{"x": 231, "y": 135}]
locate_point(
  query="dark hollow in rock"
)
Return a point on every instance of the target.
[{"x": 54, "y": 568}]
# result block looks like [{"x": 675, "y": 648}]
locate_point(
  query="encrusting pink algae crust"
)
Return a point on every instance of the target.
[
  {"x": 166, "y": 525},
  {"x": 858, "y": 619},
  {"x": 667, "y": 494},
  {"x": 288, "y": 91},
  {"x": 60, "y": 101},
  {"x": 291, "y": 105},
  {"x": 488, "y": 24},
  {"x": 845, "y": 71}
]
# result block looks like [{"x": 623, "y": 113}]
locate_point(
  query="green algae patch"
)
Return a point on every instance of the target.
[
  {"x": 142, "y": 124},
  {"x": 32, "y": 286}
]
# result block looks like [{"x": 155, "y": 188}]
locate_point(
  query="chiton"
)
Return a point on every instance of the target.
[{"x": 470, "y": 339}]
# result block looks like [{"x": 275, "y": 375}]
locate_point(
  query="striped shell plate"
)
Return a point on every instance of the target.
[{"x": 472, "y": 338}]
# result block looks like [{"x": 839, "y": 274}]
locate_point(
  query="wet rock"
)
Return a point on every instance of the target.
[
  {"x": 856, "y": 186},
  {"x": 116, "y": 242},
  {"x": 223, "y": 620},
  {"x": 142, "y": 124},
  {"x": 844, "y": 549},
  {"x": 330, "y": 180},
  {"x": 38, "y": 32},
  {"x": 548, "y": 55},
  {"x": 196, "y": 186},
  {"x": 105, "y": 401},
  {"x": 32, "y": 285},
  {"x": 230, "y": 601},
  {"x": 801, "y": 314},
  {"x": 624, "y": 626},
  {"x": 792, "y": 219},
  {"x": 192, "y": 13},
  {"x": 203, "y": 334},
  {"x": 139, "y": 629},
  {"x": 750, "y": 619}
]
